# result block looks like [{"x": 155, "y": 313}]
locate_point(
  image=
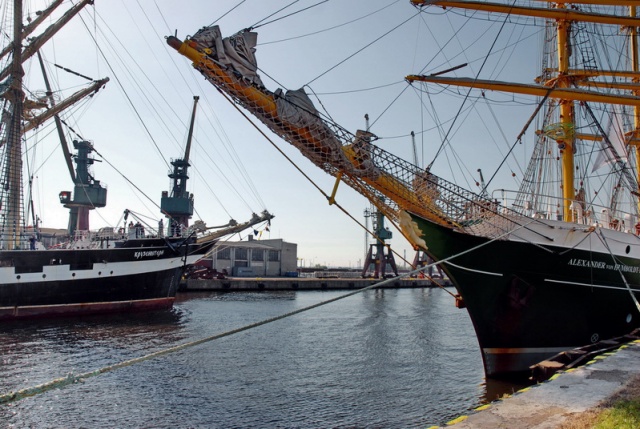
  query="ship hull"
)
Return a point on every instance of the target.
[
  {"x": 134, "y": 275},
  {"x": 542, "y": 290}
]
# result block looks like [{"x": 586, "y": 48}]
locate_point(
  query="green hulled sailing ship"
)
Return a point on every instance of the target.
[{"x": 552, "y": 266}]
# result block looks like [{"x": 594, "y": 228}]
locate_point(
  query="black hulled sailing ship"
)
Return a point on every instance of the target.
[
  {"x": 554, "y": 266},
  {"x": 109, "y": 270}
]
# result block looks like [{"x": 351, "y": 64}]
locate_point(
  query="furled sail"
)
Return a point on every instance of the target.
[{"x": 389, "y": 182}]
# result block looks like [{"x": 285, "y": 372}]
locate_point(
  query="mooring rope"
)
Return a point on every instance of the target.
[
  {"x": 71, "y": 378},
  {"x": 619, "y": 269}
]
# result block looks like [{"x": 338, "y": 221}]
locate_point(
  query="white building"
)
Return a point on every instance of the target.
[{"x": 255, "y": 258}]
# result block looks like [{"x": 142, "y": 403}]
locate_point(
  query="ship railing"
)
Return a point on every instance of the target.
[
  {"x": 11, "y": 242},
  {"x": 90, "y": 239},
  {"x": 586, "y": 213}
]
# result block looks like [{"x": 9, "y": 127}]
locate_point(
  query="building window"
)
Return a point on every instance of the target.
[
  {"x": 224, "y": 253},
  {"x": 257, "y": 255},
  {"x": 274, "y": 256},
  {"x": 241, "y": 254}
]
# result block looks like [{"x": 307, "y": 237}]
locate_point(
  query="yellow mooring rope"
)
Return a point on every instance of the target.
[{"x": 71, "y": 378}]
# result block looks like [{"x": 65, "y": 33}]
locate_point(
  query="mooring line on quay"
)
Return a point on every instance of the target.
[{"x": 71, "y": 378}]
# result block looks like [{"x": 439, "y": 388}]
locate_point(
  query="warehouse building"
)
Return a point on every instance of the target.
[{"x": 254, "y": 258}]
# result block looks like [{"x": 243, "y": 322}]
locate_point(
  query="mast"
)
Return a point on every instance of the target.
[
  {"x": 63, "y": 140},
  {"x": 55, "y": 109},
  {"x": 566, "y": 141},
  {"x": 28, "y": 29},
  {"x": 561, "y": 87},
  {"x": 46, "y": 35},
  {"x": 12, "y": 175},
  {"x": 633, "y": 47}
]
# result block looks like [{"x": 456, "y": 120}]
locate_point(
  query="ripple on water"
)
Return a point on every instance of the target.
[{"x": 385, "y": 358}]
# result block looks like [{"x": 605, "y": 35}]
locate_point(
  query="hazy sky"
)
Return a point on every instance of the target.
[{"x": 354, "y": 54}]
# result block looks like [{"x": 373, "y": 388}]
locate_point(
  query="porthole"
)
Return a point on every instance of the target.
[
  {"x": 627, "y": 250},
  {"x": 73, "y": 274},
  {"x": 629, "y": 318},
  {"x": 44, "y": 276},
  {"x": 18, "y": 277},
  {"x": 99, "y": 273}
]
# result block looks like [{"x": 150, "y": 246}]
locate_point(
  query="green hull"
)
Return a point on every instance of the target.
[{"x": 528, "y": 302}]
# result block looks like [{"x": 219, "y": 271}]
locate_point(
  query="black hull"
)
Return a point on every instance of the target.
[
  {"x": 529, "y": 301},
  {"x": 135, "y": 275}
]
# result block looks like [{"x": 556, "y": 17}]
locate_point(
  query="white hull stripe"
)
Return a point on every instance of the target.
[
  {"x": 474, "y": 271},
  {"x": 106, "y": 269},
  {"x": 624, "y": 288}
]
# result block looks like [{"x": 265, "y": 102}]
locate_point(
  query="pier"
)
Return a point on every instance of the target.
[
  {"x": 297, "y": 283},
  {"x": 564, "y": 397}
]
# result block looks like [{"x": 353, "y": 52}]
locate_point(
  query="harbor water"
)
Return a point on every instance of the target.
[{"x": 394, "y": 358}]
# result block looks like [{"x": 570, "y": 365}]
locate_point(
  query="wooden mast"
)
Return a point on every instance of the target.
[
  {"x": 40, "y": 40},
  {"x": 13, "y": 168}
]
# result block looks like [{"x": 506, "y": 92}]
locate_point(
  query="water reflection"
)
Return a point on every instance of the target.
[{"x": 383, "y": 358}]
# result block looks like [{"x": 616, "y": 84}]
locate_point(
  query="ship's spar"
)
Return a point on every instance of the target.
[
  {"x": 21, "y": 122},
  {"x": 528, "y": 293}
]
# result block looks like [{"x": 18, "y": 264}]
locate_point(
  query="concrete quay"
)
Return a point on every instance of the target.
[
  {"x": 296, "y": 283},
  {"x": 563, "y": 397}
]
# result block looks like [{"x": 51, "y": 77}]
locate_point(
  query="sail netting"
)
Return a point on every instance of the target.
[{"x": 392, "y": 184}]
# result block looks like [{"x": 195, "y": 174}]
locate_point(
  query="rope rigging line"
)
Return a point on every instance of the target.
[
  {"x": 71, "y": 378},
  {"x": 519, "y": 138},
  {"x": 390, "y": 104},
  {"x": 243, "y": 176},
  {"x": 590, "y": 231},
  {"x": 258, "y": 25},
  {"x": 240, "y": 167},
  {"x": 333, "y": 202},
  {"x": 623, "y": 165},
  {"x": 362, "y": 90},
  {"x": 135, "y": 110},
  {"x": 362, "y": 49},
  {"x": 127, "y": 179},
  {"x": 520, "y": 226},
  {"x": 227, "y": 12},
  {"x": 618, "y": 265},
  {"x": 466, "y": 97},
  {"x": 330, "y": 28}
]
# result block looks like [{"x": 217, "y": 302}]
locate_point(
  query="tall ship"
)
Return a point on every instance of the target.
[
  {"x": 121, "y": 269},
  {"x": 545, "y": 268}
]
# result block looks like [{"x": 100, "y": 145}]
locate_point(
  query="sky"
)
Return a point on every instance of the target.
[{"x": 352, "y": 54}]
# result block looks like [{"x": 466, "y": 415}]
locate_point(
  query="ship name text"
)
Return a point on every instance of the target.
[
  {"x": 603, "y": 265},
  {"x": 148, "y": 253}
]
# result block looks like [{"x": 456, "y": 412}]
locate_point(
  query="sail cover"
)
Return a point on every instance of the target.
[
  {"x": 237, "y": 51},
  {"x": 296, "y": 107}
]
